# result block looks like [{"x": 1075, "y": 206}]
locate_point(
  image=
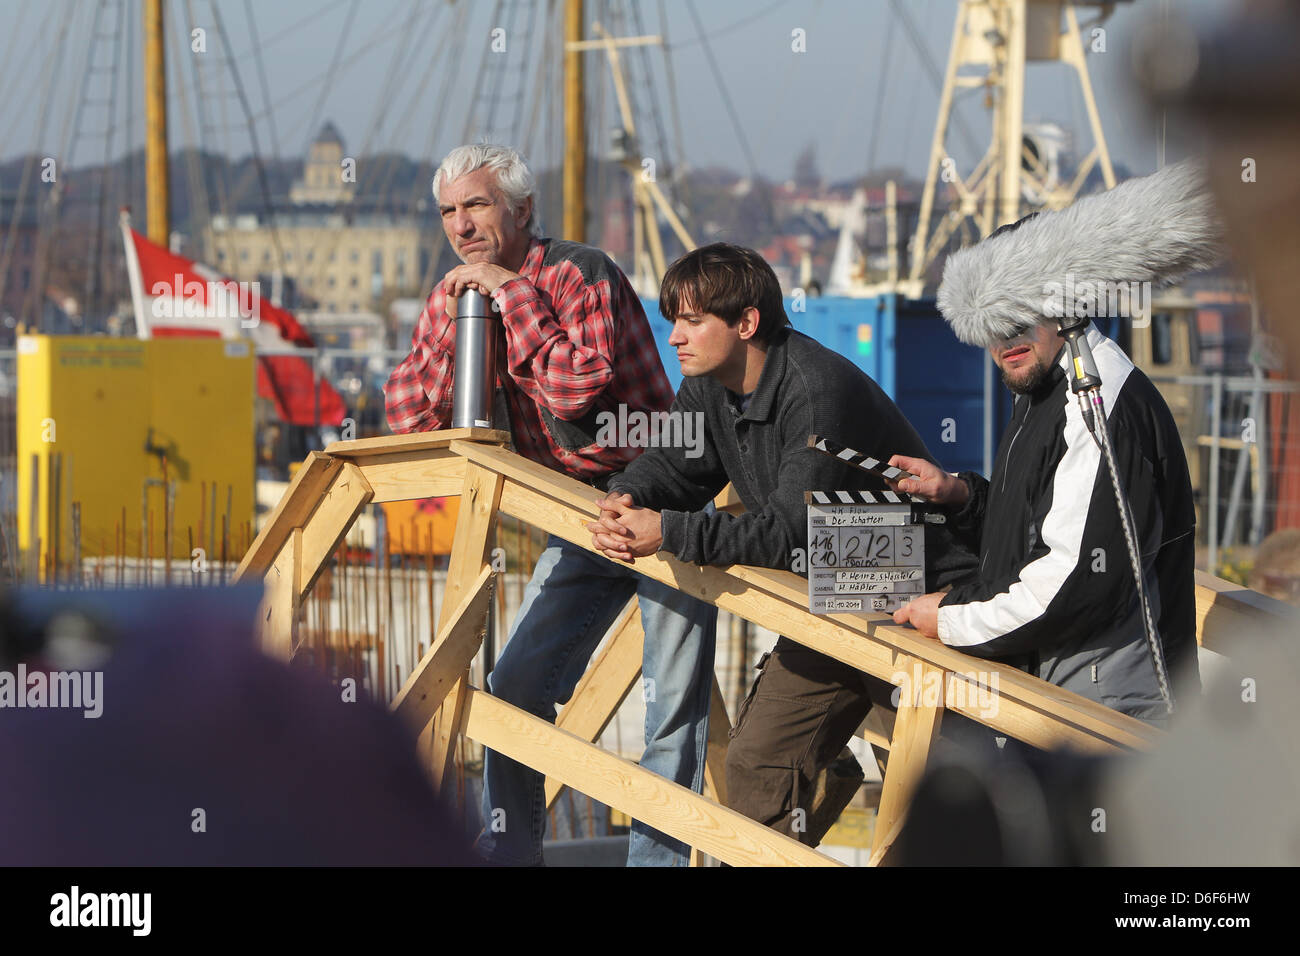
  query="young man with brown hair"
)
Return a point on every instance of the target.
[{"x": 761, "y": 388}]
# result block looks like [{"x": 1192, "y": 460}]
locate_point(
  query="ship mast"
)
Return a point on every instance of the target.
[
  {"x": 575, "y": 142},
  {"x": 993, "y": 41},
  {"x": 157, "y": 180}
]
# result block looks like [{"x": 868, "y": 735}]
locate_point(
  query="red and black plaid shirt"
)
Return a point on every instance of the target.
[{"x": 577, "y": 342}]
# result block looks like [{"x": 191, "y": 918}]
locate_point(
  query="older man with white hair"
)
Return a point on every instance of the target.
[{"x": 575, "y": 343}]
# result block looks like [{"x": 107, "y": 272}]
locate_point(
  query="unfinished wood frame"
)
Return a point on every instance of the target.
[{"x": 331, "y": 488}]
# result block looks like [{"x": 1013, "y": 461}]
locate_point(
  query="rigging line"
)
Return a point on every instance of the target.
[
  {"x": 679, "y": 168},
  {"x": 497, "y": 71},
  {"x": 457, "y": 30},
  {"x": 220, "y": 164},
  {"x": 652, "y": 88},
  {"x": 261, "y": 72},
  {"x": 129, "y": 33},
  {"x": 555, "y": 119},
  {"x": 386, "y": 96},
  {"x": 94, "y": 267},
  {"x": 787, "y": 85},
  {"x": 43, "y": 113},
  {"x": 389, "y": 91},
  {"x": 618, "y": 27},
  {"x": 252, "y": 135},
  {"x": 21, "y": 104},
  {"x": 329, "y": 76},
  {"x": 333, "y": 74},
  {"x": 395, "y": 155},
  {"x": 849, "y": 120},
  {"x": 726, "y": 97},
  {"x": 9, "y": 51},
  {"x": 71, "y": 133},
  {"x": 206, "y": 128},
  {"x": 931, "y": 68},
  {"x": 439, "y": 236},
  {"x": 524, "y": 64},
  {"x": 314, "y": 15},
  {"x": 723, "y": 31},
  {"x": 45, "y": 211},
  {"x": 200, "y": 210},
  {"x": 881, "y": 87},
  {"x": 234, "y": 188},
  {"x": 539, "y": 81}
]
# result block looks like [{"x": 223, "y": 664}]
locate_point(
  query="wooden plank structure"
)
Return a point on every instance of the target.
[{"x": 438, "y": 701}]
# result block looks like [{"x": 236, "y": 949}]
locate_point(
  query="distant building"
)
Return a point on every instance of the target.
[
  {"x": 326, "y": 178},
  {"x": 342, "y": 262},
  {"x": 339, "y": 254}
]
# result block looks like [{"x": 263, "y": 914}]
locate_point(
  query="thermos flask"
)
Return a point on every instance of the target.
[{"x": 476, "y": 361}]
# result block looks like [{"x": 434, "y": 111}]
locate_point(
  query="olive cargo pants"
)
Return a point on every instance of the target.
[{"x": 800, "y": 712}]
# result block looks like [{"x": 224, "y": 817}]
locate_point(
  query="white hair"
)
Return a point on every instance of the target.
[
  {"x": 514, "y": 178},
  {"x": 1153, "y": 229}
]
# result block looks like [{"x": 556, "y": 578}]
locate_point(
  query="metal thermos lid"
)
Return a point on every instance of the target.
[{"x": 473, "y": 304}]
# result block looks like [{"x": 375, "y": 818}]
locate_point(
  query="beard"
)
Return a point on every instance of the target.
[{"x": 1028, "y": 379}]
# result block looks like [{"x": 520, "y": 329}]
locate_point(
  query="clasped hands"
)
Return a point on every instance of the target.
[
  {"x": 625, "y": 531},
  {"x": 484, "y": 277}
]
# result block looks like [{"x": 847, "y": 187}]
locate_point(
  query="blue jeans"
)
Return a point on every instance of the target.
[{"x": 569, "y": 604}]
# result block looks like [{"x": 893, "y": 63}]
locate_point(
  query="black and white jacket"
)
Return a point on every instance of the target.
[{"x": 1055, "y": 592}]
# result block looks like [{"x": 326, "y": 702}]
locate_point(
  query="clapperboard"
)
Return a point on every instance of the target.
[{"x": 866, "y": 549}]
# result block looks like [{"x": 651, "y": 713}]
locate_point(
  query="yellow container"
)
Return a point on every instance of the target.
[{"x": 110, "y": 419}]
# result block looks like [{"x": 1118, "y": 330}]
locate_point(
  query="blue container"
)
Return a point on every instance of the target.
[{"x": 907, "y": 348}]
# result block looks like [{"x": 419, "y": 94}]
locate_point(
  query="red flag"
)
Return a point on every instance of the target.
[{"x": 176, "y": 296}]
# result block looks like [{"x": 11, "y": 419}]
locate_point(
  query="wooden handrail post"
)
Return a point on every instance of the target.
[
  {"x": 480, "y": 497},
  {"x": 916, "y": 727}
]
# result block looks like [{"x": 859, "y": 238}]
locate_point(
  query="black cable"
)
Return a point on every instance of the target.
[
  {"x": 932, "y": 68},
  {"x": 1102, "y": 436}
]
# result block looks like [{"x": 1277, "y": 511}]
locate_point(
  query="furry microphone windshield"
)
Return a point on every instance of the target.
[{"x": 1085, "y": 260}]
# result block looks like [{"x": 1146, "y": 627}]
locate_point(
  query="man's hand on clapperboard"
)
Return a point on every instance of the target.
[
  {"x": 923, "y": 612},
  {"x": 931, "y": 482},
  {"x": 624, "y": 530}
]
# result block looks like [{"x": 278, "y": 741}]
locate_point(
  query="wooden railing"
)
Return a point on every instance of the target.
[{"x": 437, "y": 701}]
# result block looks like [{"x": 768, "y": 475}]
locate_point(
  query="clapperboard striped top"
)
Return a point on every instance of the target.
[
  {"x": 858, "y": 498},
  {"x": 828, "y": 446}
]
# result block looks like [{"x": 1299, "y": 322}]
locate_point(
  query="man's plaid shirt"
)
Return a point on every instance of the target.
[{"x": 577, "y": 343}]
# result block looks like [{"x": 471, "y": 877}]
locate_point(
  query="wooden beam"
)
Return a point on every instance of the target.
[
  {"x": 330, "y": 522},
  {"x": 883, "y": 844},
  {"x": 300, "y": 499},
  {"x": 715, "y": 764},
  {"x": 278, "y": 613},
  {"x": 1025, "y": 708},
  {"x": 480, "y": 499},
  {"x": 727, "y": 500},
  {"x": 915, "y": 729},
  {"x": 621, "y": 784},
  {"x": 415, "y": 441},
  {"x": 1228, "y": 613},
  {"x": 868, "y": 642},
  {"x": 604, "y": 685},
  {"x": 715, "y": 757},
  {"x": 401, "y": 476},
  {"x": 448, "y": 659}
]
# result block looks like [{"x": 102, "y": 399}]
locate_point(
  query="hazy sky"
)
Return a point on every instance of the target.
[{"x": 407, "y": 71}]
